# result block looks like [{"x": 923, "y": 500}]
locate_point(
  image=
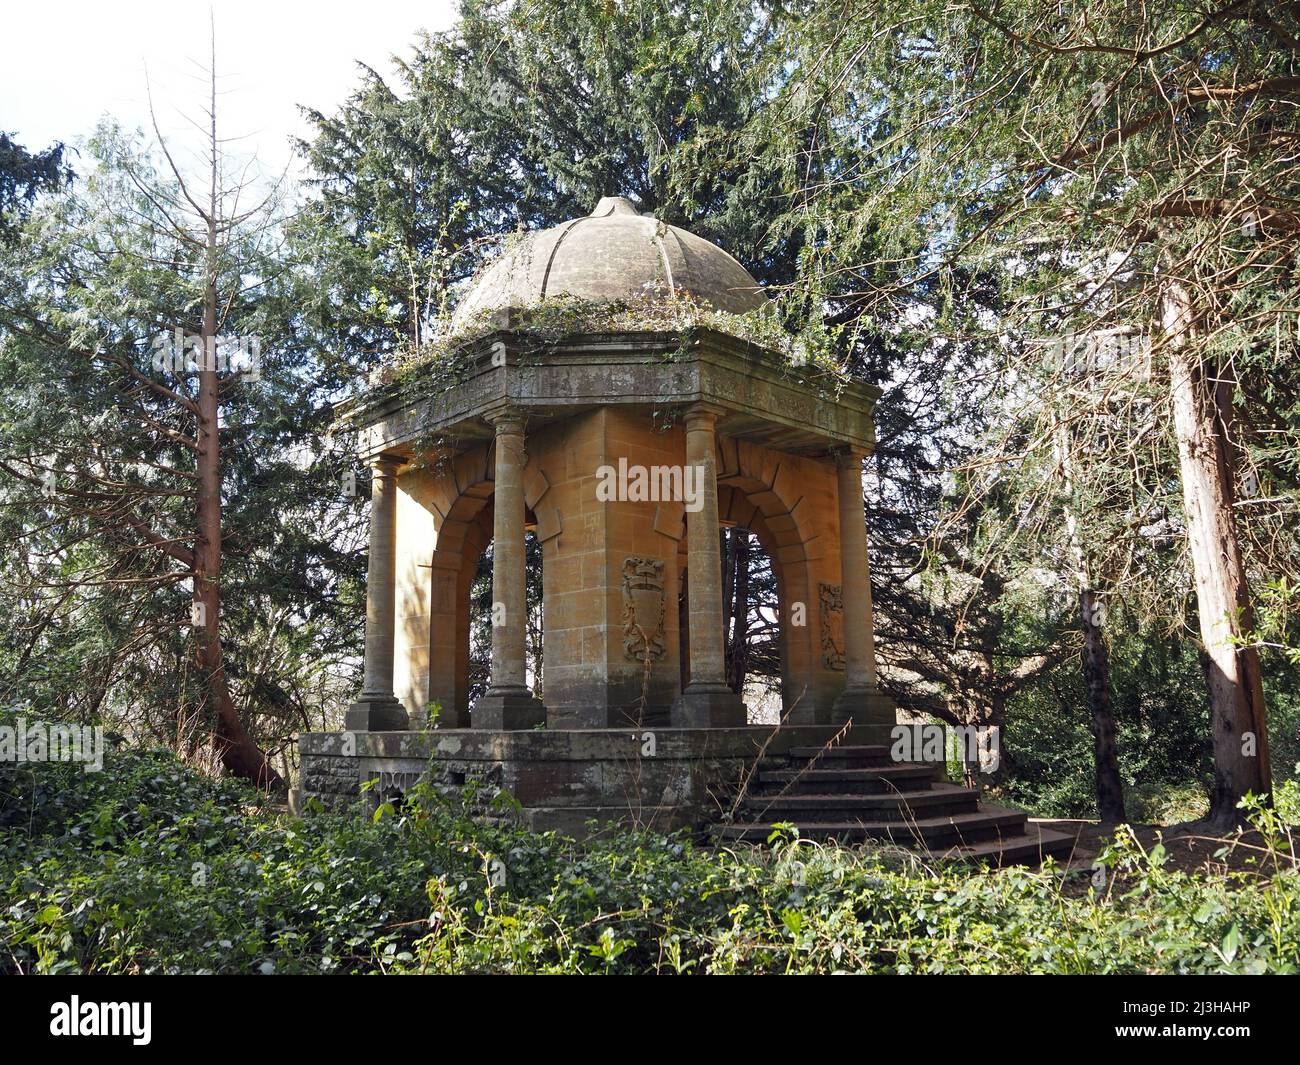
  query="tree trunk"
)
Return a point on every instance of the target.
[
  {"x": 1240, "y": 737},
  {"x": 728, "y": 556},
  {"x": 239, "y": 754},
  {"x": 1108, "y": 784},
  {"x": 991, "y": 739},
  {"x": 981, "y": 710},
  {"x": 738, "y": 651},
  {"x": 684, "y": 630},
  {"x": 1096, "y": 675}
]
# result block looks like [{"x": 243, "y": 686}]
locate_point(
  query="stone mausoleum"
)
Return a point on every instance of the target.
[{"x": 623, "y": 454}]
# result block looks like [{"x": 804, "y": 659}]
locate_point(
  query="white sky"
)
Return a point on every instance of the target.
[{"x": 65, "y": 63}]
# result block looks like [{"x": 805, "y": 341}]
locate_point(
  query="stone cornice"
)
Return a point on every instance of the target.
[{"x": 759, "y": 393}]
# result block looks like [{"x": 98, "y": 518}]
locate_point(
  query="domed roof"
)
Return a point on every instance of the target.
[{"x": 614, "y": 253}]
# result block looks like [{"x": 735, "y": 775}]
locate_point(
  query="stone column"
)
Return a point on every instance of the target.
[
  {"x": 377, "y": 710},
  {"x": 860, "y": 701},
  {"x": 508, "y": 703},
  {"x": 706, "y": 702}
]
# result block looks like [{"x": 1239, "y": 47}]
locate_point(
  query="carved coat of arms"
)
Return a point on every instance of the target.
[
  {"x": 832, "y": 612},
  {"x": 643, "y": 608}
]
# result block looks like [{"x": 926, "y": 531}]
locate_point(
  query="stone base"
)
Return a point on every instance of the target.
[
  {"x": 709, "y": 706},
  {"x": 563, "y": 779},
  {"x": 866, "y": 708},
  {"x": 376, "y": 715},
  {"x": 508, "y": 709}
]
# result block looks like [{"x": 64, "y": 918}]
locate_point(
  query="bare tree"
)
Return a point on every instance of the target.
[{"x": 175, "y": 263}]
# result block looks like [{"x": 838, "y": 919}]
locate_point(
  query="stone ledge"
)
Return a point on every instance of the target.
[{"x": 573, "y": 744}]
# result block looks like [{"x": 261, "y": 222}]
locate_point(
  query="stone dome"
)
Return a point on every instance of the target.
[{"x": 614, "y": 253}]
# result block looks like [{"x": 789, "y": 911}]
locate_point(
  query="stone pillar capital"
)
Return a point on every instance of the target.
[
  {"x": 703, "y": 415},
  {"x": 505, "y": 420},
  {"x": 385, "y": 465},
  {"x": 850, "y": 455}
]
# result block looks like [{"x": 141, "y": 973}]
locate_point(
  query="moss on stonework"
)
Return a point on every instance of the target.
[{"x": 451, "y": 353}]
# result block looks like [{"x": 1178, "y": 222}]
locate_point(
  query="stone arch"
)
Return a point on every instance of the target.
[
  {"x": 780, "y": 497},
  {"x": 736, "y": 508}
]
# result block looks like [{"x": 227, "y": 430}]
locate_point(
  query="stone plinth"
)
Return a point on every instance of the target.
[{"x": 662, "y": 777}]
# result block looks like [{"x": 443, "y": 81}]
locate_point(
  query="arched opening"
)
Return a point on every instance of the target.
[
  {"x": 751, "y": 606},
  {"x": 752, "y": 623},
  {"x": 778, "y": 567},
  {"x": 478, "y": 632},
  {"x": 753, "y": 598}
]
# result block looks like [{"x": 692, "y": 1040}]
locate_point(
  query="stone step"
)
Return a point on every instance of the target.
[
  {"x": 855, "y": 781},
  {"x": 883, "y": 806},
  {"x": 846, "y": 756},
  {"x": 1029, "y": 849},
  {"x": 932, "y": 833}
]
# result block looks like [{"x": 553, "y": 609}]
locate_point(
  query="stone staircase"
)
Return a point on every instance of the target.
[{"x": 852, "y": 794}]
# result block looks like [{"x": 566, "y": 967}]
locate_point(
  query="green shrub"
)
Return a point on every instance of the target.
[{"x": 149, "y": 867}]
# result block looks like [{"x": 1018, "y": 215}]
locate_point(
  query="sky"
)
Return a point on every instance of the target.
[{"x": 65, "y": 63}]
